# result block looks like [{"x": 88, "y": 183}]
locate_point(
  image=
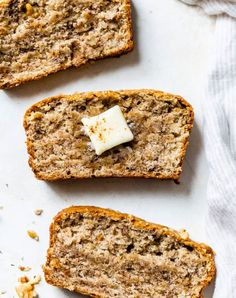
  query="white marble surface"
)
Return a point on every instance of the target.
[{"x": 171, "y": 54}]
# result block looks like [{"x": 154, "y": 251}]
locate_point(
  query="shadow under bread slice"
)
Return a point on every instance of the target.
[
  {"x": 103, "y": 253},
  {"x": 60, "y": 148}
]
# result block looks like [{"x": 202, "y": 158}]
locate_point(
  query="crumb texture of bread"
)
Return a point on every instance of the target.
[
  {"x": 39, "y": 37},
  {"x": 103, "y": 253},
  {"x": 60, "y": 149}
]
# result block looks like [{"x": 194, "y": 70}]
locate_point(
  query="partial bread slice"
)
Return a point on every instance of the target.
[
  {"x": 40, "y": 37},
  {"x": 103, "y": 253},
  {"x": 60, "y": 149}
]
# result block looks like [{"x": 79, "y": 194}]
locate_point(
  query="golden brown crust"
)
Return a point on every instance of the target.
[
  {"x": 125, "y": 50},
  {"x": 102, "y": 94},
  {"x": 137, "y": 222}
]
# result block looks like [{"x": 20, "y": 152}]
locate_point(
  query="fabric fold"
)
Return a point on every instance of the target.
[
  {"x": 219, "y": 137},
  {"x": 219, "y": 134},
  {"x": 215, "y": 7}
]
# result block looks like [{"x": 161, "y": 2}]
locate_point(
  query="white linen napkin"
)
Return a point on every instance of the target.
[
  {"x": 215, "y": 7},
  {"x": 219, "y": 133}
]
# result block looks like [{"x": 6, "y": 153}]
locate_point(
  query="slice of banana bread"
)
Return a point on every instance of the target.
[
  {"x": 103, "y": 253},
  {"x": 39, "y": 37},
  {"x": 60, "y": 149}
]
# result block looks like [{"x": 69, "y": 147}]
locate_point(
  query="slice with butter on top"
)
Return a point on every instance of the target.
[
  {"x": 107, "y": 130},
  {"x": 59, "y": 147}
]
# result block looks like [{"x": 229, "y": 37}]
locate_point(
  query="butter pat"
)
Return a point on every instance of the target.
[{"x": 107, "y": 130}]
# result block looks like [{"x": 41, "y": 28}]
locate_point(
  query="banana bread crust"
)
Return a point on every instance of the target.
[{"x": 138, "y": 223}]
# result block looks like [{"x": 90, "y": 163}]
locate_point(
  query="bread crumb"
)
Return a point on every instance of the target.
[
  {"x": 23, "y": 279},
  {"x": 33, "y": 235},
  {"x": 23, "y": 268},
  {"x": 25, "y": 288},
  {"x": 38, "y": 212},
  {"x": 2, "y": 292},
  {"x": 184, "y": 234}
]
